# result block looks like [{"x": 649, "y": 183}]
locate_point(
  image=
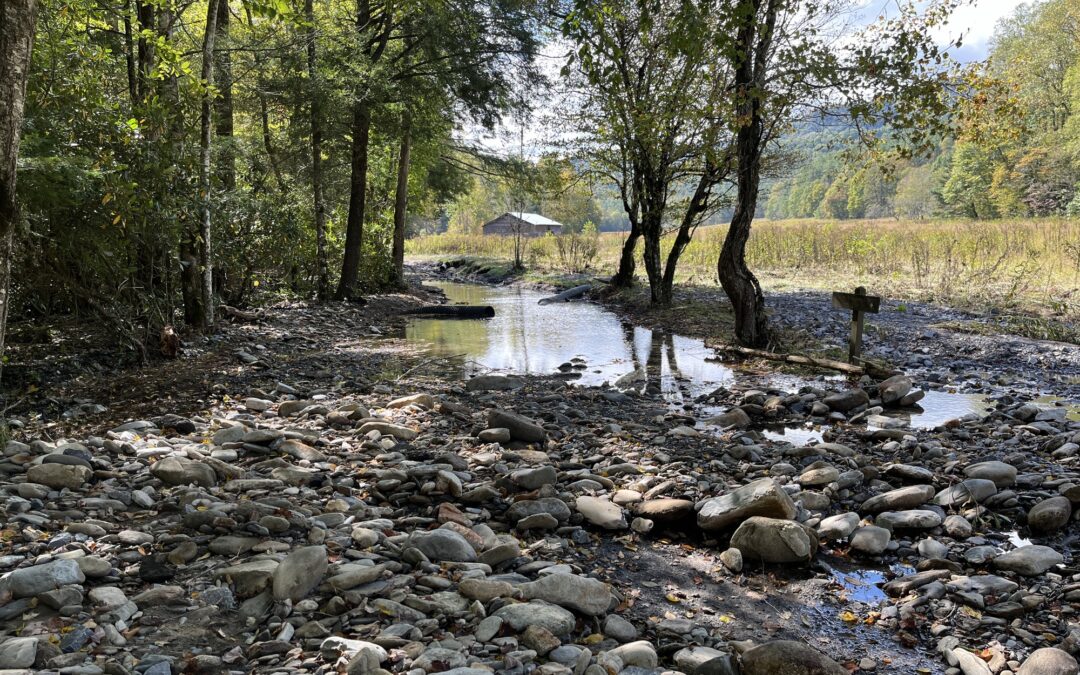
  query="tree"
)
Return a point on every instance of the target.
[
  {"x": 17, "y": 21},
  {"x": 322, "y": 274},
  {"x": 786, "y": 63},
  {"x": 206, "y": 261},
  {"x": 653, "y": 107}
]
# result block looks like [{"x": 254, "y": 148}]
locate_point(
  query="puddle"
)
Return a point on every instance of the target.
[
  {"x": 864, "y": 584},
  {"x": 798, "y": 436},
  {"x": 528, "y": 338}
]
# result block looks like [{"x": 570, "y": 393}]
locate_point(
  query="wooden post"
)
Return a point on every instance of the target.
[{"x": 859, "y": 303}]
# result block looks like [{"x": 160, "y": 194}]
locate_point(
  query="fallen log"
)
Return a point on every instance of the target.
[
  {"x": 454, "y": 311},
  {"x": 567, "y": 295},
  {"x": 868, "y": 367},
  {"x": 239, "y": 314}
]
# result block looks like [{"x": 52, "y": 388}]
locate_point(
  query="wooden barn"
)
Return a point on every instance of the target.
[{"x": 527, "y": 224}]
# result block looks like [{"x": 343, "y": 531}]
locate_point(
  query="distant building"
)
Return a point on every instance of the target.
[{"x": 527, "y": 224}]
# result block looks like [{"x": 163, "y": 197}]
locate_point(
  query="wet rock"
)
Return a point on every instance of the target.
[
  {"x": 1050, "y": 515},
  {"x": 601, "y": 513},
  {"x": 847, "y": 401},
  {"x": 444, "y": 545},
  {"x": 763, "y": 497},
  {"x": 895, "y": 388},
  {"x": 736, "y": 417},
  {"x": 784, "y": 657},
  {"x": 585, "y": 595},
  {"x": 1028, "y": 561},
  {"x": 1049, "y": 661},
  {"x": 772, "y": 540},
  {"x": 59, "y": 476}
]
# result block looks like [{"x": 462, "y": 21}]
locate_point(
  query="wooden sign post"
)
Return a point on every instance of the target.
[{"x": 859, "y": 303}]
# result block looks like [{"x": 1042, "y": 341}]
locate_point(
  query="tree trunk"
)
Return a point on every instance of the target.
[
  {"x": 129, "y": 55},
  {"x": 624, "y": 277},
  {"x": 205, "y": 249},
  {"x": 651, "y": 229},
  {"x": 17, "y": 22},
  {"x": 145, "y": 12},
  {"x": 401, "y": 201},
  {"x": 354, "y": 227},
  {"x": 740, "y": 284},
  {"x": 223, "y": 105},
  {"x": 322, "y": 274},
  {"x": 699, "y": 203}
]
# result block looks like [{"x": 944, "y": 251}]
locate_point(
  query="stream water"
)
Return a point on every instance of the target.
[{"x": 590, "y": 345}]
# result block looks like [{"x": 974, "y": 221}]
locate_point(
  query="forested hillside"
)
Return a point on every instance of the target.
[{"x": 1016, "y": 151}]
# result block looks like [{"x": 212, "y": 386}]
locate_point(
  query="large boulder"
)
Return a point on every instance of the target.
[
  {"x": 1028, "y": 561},
  {"x": 1049, "y": 661},
  {"x": 763, "y": 497},
  {"x": 846, "y": 401},
  {"x": 57, "y": 476},
  {"x": 894, "y": 389},
  {"x": 299, "y": 573},
  {"x": 27, "y": 582},
  {"x": 785, "y": 657},
  {"x": 177, "y": 471},
  {"x": 772, "y": 540}
]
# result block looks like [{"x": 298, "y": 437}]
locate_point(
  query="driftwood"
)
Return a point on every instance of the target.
[
  {"x": 567, "y": 295},
  {"x": 868, "y": 367},
  {"x": 240, "y": 314},
  {"x": 454, "y": 311}
]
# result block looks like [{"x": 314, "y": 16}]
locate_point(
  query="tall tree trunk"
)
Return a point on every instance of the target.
[
  {"x": 206, "y": 260},
  {"x": 322, "y": 271},
  {"x": 17, "y": 22},
  {"x": 354, "y": 226},
  {"x": 401, "y": 202},
  {"x": 223, "y": 105},
  {"x": 624, "y": 277},
  {"x": 740, "y": 284},
  {"x": 699, "y": 202},
  {"x": 145, "y": 15},
  {"x": 129, "y": 55}
]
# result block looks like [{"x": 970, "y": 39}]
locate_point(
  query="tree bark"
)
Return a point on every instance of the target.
[
  {"x": 129, "y": 55},
  {"x": 624, "y": 277},
  {"x": 205, "y": 248},
  {"x": 322, "y": 273},
  {"x": 739, "y": 283},
  {"x": 354, "y": 226},
  {"x": 18, "y": 19},
  {"x": 401, "y": 202},
  {"x": 145, "y": 15},
  {"x": 699, "y": 203},
  {"x": 223, "y": 105}
]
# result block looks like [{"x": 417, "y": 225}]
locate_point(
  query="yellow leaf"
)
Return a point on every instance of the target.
[
  {"x": 593, "y": 639},
  {"x": 726, "y": 618},
  {"x": 116, "y": 219},
  {"x": 672, "y": 598},
  {"x": 973, "y": 613},
  {"x": 106, "y": 199},
  {"x": 848, "y": 617}
]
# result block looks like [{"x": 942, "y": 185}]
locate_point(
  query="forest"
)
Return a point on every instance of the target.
[{"x": 539, "y": 337}]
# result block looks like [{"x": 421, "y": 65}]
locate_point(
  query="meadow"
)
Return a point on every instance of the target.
[{"x": 1027, "y": 268}]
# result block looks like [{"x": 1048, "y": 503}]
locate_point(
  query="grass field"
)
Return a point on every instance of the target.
[{"x": 1028, "y": 267}]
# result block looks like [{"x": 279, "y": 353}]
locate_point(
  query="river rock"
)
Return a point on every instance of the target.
[
  {"x": 785, "y": 657},
  {"x": 534, "y": 478},
  {"x": 892, "y": 390},
  {"x": 176, "y": 471},
  {"x": 1028, "y": 561},
  {"x": 18, "y": 652},
  {"x": 846, "y": 401},
  {"x": 523, "y": 614},
  {"x": 1049, "y": 661},
  {"x": 551, "y": 506},
  {"x": 969, "y": 663},
  {"x": 585, "y": 595},
  {"x": 27, "y": 582},
  {"x": 736, "y": 417},
  {"x": 912, "y": 519},
  {"x": 665, "y": 510},
  {"x": 697, "y": 660},
  {"x": 971, "y": 490},
  {"x": 59, "y": 476},
  {"x": 763, "y": 497},
  {"x": 444, "y": 545},
  {"x": 838, "y": 527},
  {"x": 601, "y": 512},
  {"x": 772, "y": 540},
  {"x": 899, "y": 499},
  {"x": 299, "y": 573},
  {"x": 1003, "y": 475},
  {"x": 521, "y": 428},
  {"x": 494, "y": 383},
  {"x": 871, "y": 540},
  {"x": 1050, "y": 515}
]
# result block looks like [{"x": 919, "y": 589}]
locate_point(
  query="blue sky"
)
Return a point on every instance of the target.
[{"x": 974, "y": 22}]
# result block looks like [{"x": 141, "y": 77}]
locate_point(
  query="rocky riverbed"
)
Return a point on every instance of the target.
[{"x": 323, "y": 500}]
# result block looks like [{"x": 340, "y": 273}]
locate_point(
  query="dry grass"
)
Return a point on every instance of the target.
[{"x": 1013, "y": 266}]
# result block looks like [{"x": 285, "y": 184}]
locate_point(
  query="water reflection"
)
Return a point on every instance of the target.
[{"x": 526, "y": 337}]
